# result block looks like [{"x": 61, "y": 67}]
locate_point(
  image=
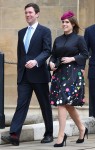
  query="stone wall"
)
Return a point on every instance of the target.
[
  {"x": 12, "y": 19},
  {"x": 86, "y": 13}
]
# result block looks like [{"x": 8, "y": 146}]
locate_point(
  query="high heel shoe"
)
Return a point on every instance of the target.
[
  {"x": 82, "y": 140},
  {"x": 61, "y": 144}
]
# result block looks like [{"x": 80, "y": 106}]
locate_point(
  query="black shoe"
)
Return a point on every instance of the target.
[
  {"x": 47, "y": 139},
  {"x": 61, "y": 144},
  {"x": 10, "y": 139},
  {"x": 82, "y": 140}
]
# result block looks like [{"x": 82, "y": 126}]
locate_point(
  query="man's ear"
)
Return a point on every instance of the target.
[{"x": 38, "y": 15}]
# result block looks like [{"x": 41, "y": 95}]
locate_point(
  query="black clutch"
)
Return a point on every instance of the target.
[{"x": 58, "y": 62}]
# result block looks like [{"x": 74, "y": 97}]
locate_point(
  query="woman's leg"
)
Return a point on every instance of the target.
[
  {"x": 62, "y": 114},
  {"x": 76, "y": 118}
]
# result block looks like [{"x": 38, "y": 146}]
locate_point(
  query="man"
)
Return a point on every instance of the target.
[
  {"x": 32, "y": 74},
  {"x": 90, "y": 40}
]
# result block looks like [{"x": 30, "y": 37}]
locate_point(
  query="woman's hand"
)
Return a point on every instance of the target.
[
  {"x": 66, "y": 60},
  {"x": 83, "y": 71},
  {"x": 52, "y": 66}
]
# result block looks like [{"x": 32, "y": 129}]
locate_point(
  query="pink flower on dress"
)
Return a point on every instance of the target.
[
  {"x": 53, "y": 77},
  {"x": 51, "y": 102},
  {"x": 76, "y": 94},
  {"x": 56, "y": 95},
  {"x": 67, "y": 89},
  {"x": 83, "y": 100}
]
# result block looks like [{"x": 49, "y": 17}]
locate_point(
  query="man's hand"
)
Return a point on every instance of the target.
[{"x": 30, "y": 64}]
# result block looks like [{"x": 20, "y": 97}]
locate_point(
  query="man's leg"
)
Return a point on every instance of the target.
[
  {"x": 92, "y": 97},
  {"x": 24, "y": 96},
  {"x": 42, "y": 93}
]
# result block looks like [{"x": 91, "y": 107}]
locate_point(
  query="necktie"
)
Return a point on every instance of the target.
[{"x": 27, "y": 40}]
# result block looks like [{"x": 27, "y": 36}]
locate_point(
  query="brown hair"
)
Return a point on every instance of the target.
[
  {"x": 35, "y": 6},
  {"x": 74, "y": 22}
]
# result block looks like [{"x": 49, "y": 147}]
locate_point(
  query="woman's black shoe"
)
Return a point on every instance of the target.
[
  {"x": 61, "y": 144},
  {"x": 82, "y": 140}
]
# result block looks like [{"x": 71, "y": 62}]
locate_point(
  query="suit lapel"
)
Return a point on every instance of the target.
[
  {"x": 23, "y": 33},
  {"x": 22, "y": 37}
]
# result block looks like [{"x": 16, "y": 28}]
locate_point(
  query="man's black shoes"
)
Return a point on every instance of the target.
[
  {"x": 15, "y": 141},
  {"x": 11, "y": 139},
  {"x": 47, "y": 139}
]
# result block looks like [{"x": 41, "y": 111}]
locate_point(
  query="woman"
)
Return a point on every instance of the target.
[{"x": 67, "y": 62}]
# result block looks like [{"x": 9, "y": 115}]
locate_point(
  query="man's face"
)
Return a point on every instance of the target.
[{"x": 30, "y": 15}]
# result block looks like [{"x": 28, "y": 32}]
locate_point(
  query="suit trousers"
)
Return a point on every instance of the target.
[
  {"x": 25, "y": 90},
  {"x": 92, "y": 97}
]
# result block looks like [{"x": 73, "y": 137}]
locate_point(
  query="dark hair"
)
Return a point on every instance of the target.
[
  {"x": 35, "y": 6},
  {"x": 74, "y": 21}
]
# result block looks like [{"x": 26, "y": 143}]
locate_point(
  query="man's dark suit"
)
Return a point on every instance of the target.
[
  {"x": 35, "y": 79},
  {"x": 90, "y": 40}
]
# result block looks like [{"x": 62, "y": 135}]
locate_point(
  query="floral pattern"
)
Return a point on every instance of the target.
[{"x": 67, "y": 86}]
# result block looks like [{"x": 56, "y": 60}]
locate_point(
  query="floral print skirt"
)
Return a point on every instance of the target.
[{"x": 67, "y": 86}]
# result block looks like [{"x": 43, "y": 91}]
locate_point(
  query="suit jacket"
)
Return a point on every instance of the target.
[
  {"x": 89, "y": 36},
  {"x": 40, "y": 50}
]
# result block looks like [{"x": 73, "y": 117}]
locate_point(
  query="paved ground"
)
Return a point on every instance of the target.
[{"x": 89, "y": 144}]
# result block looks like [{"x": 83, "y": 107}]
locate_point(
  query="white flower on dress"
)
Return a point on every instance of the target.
[
  {"x": 57, "y": 102},
  {"x": 60, "y": 101}
]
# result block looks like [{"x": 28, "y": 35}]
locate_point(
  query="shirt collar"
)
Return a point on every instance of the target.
[{"x": 34, "y": 26}]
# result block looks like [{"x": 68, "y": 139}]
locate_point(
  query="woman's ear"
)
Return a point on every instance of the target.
[{"x": 73, "y": 25}]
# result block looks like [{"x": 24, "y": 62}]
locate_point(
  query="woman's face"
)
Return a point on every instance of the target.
[{"x": 67, "y": 26}]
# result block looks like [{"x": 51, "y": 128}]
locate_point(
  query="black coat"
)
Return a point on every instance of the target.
[{"x": 71, "y": 45}]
